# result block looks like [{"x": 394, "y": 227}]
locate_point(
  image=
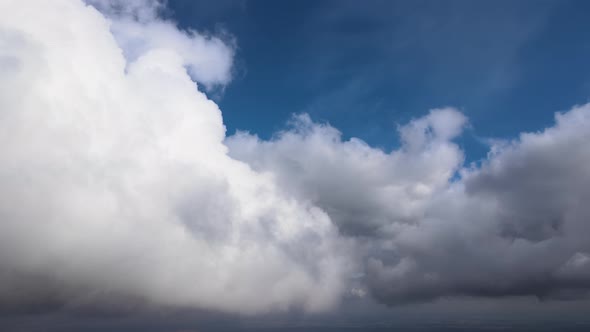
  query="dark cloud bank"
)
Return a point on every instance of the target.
[{"x": 120, "y": 189}]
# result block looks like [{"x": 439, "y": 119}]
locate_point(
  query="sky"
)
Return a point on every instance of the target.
[
  {"x": 366, "y": 68},
  {"x": 313, "y": 165}
]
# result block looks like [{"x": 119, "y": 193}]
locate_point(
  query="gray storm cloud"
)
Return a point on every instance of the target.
[{"x": 118, "y": 181}]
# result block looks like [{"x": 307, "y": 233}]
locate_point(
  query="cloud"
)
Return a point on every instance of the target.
[
  {"x": 511, "y": 227},
  {"x": 120, "y": 187},
  {"x": 363, "y": 189},
  {"x": 116, "y": 184},
  {"x": 138, "y": 27},
  {"x": 517, "y": 225}
]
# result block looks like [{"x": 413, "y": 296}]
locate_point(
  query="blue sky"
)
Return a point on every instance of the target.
[{"x": 367, "y": 66}]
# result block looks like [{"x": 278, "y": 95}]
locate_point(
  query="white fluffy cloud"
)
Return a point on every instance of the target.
[
  {"x": 118, "y": 182},
  {"x": 138, "y": 28}
]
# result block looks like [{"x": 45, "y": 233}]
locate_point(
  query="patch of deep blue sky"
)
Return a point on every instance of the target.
[{"x": 366, "y": 66}]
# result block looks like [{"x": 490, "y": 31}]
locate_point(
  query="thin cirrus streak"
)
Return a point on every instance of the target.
[{"x": 118, "y": 181}]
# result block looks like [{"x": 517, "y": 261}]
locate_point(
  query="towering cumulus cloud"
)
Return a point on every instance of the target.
[{"x": 118, "y": 183}]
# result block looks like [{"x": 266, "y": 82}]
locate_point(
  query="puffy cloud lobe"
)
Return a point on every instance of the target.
[
  {"x": 539, "y": 180},
  {"x": 363, "y": 189},
  {"x": 138, "y": 28},
  {"x": 516, "y": 226},
  {"x": 116, "y": 183}
]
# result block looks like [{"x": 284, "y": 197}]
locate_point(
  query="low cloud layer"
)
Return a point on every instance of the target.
[{"x": 118, "y": 182}]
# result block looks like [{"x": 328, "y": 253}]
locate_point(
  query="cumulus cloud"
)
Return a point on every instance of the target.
[
  {"x": 512, "y": 227},
  {"x": 116, "y": 182},
  {"x": 363, "y": 189},
  {"x": 517, "y": 225},
  {"x": 119, "y": 183}
]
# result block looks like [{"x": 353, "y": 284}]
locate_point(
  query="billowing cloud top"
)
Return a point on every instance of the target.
[{"x": 118, "y": 182}]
